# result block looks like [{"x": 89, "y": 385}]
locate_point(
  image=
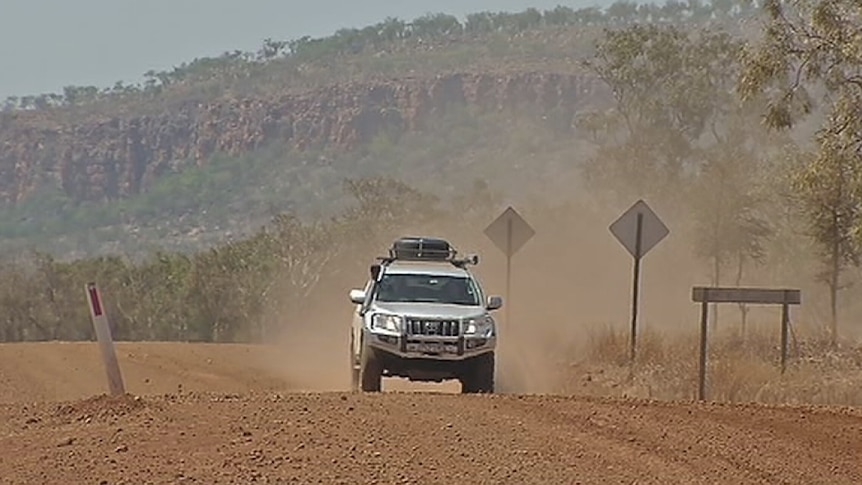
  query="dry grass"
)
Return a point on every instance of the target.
[{"x": 738, "y": 370}]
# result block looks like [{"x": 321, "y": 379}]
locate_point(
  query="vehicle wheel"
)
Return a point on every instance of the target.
[
  {"x": 479, "y": 377},
  {"x": 371, "y": 371},
  {"x": 354, "y": 378},
  {"x": 354, "y": 369}
]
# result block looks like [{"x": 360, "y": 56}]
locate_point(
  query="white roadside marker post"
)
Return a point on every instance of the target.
[{"x": 106, "y": 343}]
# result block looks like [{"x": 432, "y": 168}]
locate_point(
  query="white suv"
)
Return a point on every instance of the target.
[{"x": 422, "y": 315}]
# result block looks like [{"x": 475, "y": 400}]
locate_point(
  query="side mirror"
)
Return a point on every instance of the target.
[
  {"x": 357, "y": 296},
  {"x": 494, "y": 303}
]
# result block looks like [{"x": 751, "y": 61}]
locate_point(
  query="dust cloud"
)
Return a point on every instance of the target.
[
  {"x": 312, "y": 344},
  {"x": 571, "y": 280}
]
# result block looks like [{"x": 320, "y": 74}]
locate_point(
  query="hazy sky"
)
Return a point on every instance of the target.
[{"x": 48, "y": 44}]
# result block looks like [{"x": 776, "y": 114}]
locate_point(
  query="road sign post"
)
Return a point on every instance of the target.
[
  {"x": 638, "y": 229},
  {"x": 509, "y": 232},
  {"x": 508, "y": 264},
  {"x": 757, "y": 296},
  {"x": 106, "y": 343}
]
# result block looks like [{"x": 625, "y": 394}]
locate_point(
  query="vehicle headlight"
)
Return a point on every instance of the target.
[
  {"x": 383, "y": 321},
  {"x": 480, "y": 327}
]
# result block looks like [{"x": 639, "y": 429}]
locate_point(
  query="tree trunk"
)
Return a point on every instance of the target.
[{"x": 834, "y": 275}]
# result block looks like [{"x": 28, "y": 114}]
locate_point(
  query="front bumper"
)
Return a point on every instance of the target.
[{"x": 432, "y": 347}]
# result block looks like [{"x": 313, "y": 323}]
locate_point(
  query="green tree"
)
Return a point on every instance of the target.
[
  {"x": 728, "y": 201},
  {"x": 300, "y": 253},
  {"x": 669, "y": 89},
  {"x": 677, "y": 131},
  {"x": 388, "y": 201},
  {"x": 818, "y": 44},
  {"x": 828, "y": 190}
]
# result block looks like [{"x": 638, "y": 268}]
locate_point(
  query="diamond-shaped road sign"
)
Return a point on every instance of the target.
[
  {"x": 509, "y": 232},
  {"x": 652, "y": 230}
]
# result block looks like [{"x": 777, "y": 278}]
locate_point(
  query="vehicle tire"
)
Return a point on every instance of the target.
[
  {"x": 354, "y": 379},
  {"x": 354, "y": 369},
  {"x": 371, "y": 371},
  {"x": 479, "y": 376}
]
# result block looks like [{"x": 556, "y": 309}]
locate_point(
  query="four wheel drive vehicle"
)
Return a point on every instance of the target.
[{"x": 422, "y": 315}]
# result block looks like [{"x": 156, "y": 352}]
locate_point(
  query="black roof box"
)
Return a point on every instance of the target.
[{"x": 421, "y": 248}]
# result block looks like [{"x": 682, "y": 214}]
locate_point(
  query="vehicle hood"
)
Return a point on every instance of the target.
[{"x": 430, "y": 310}]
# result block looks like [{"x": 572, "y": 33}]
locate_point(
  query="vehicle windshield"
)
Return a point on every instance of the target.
[{"x": 421, "y": 288}]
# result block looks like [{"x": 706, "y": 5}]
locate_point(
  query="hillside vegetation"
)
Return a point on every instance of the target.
[
  {"x": 426, "y": 46},
  {"x": 748, "y": 149},
  {"x": 233, "y": 196},
  {"x": 89, "y": 146}
]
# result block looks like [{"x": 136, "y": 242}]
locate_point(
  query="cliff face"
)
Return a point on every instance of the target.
[{"x": 109, "y": 158}]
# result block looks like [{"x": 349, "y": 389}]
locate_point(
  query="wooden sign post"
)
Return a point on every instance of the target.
[{"x": 757, "y": 296}]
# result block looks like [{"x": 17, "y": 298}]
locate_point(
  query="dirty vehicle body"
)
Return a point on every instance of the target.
[{"x": 423, "y": 315}]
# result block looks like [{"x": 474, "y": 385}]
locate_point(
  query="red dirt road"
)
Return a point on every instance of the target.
[{"x": 251, "y": 428}]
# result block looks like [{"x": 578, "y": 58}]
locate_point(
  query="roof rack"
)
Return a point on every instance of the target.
[{"x": 430, "y": 249}]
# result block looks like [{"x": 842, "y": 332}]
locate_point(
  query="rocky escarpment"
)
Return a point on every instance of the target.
[{"x": 114, "y": 157}]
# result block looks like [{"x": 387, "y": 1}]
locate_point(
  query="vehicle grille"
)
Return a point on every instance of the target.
[{"x": 442, "y": 328}]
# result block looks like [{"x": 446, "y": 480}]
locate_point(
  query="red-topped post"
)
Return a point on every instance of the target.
[{"x": 106, "y": 342}]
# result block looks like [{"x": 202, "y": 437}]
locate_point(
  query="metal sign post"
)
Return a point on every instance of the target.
[
  {"x": 509, "y": 232},
  {"x": 757, "y": 296},
  {"x": 106, "y": 343},
  {"x": 639, "y": 229}
]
